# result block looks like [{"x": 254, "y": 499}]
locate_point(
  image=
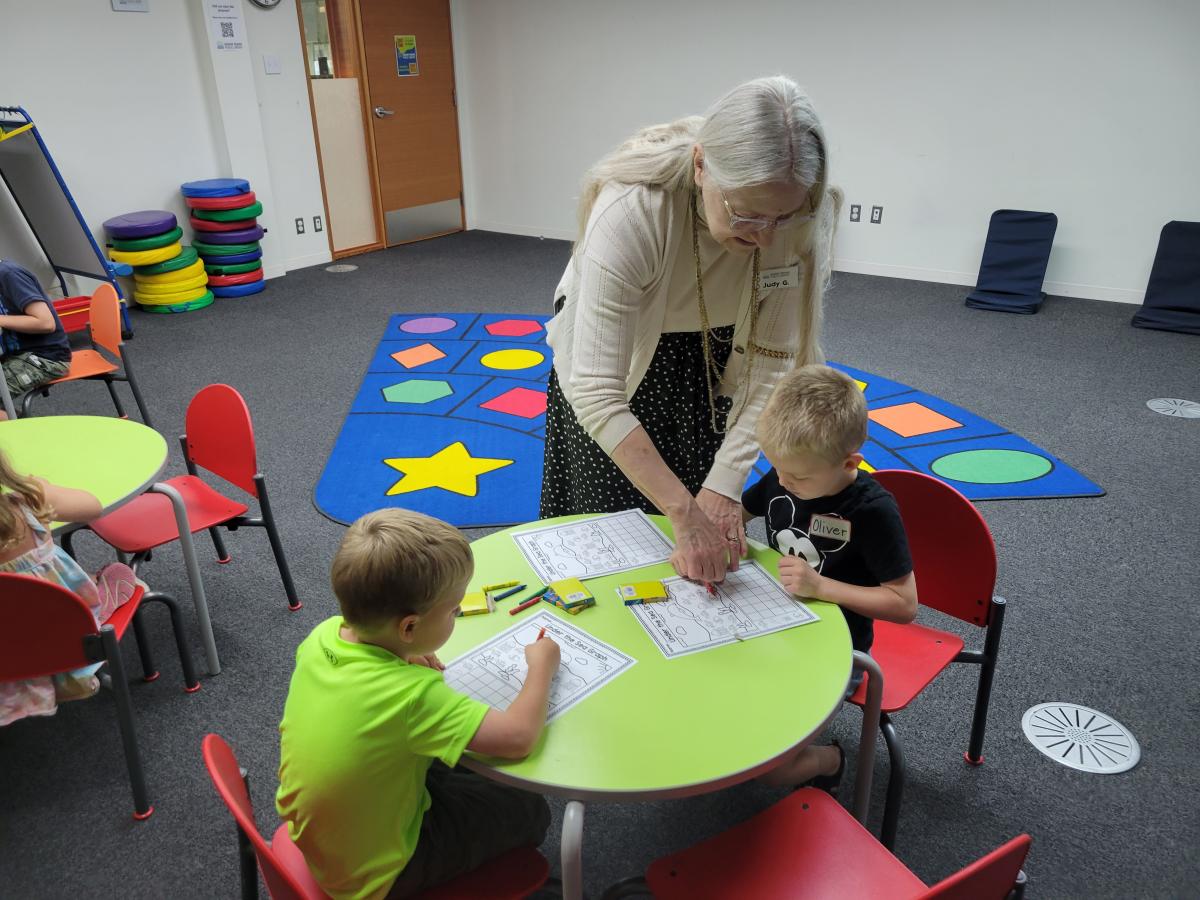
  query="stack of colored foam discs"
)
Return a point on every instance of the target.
[
  {"x": 168, "y": 277},
  {"x": 224, "y": 216}
]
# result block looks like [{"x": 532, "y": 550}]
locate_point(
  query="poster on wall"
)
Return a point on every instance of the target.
[
  {"x": 406, "y": 55},
  {"x": 225, "y": 21}
]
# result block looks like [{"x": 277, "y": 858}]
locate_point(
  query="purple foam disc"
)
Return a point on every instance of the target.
[
  {"x": 242, "y": 236},
  {"x": 144, "y": 223}
]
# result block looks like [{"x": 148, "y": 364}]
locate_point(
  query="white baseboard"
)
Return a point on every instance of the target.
[
  {"x": 942, "y": 276},
  {"x": 274, "y": 270},
  {"x": 560, "y": 234}
]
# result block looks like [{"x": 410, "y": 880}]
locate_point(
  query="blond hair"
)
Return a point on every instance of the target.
[
  {"x": 394, "y": 563},
  {"x": 814, "y": 409},
  {"x": 19, "y": 492}
]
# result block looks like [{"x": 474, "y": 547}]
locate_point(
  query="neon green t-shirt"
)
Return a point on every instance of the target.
[{"x": 360, "y": 729}]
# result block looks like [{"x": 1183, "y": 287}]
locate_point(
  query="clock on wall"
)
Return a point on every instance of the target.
[{"x": 266, "y": 4}]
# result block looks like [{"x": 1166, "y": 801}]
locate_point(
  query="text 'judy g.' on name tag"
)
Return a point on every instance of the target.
[
  {"x": 782, "y": 277},
  {"x": 829, "y": 527}
]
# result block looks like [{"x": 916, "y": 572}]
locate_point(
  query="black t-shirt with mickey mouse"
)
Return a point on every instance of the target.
[{"x": 877, "y": 549}]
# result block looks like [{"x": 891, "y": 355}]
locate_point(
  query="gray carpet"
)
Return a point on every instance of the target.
[{"x": 1102, "y": 591}]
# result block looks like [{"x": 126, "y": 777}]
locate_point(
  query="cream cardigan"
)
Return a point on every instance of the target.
[{"x": 616, "y": 288}]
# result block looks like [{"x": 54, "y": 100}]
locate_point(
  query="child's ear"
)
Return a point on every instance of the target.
[
  {"x": 406, "y": 628},
  {"x": 853, "y": 461}
]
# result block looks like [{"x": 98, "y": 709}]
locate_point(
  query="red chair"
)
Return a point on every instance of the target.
[
  {"x": 516, "y": 874},
  {"x": 220, "y": 439},
  {"x": 48, "y": 629},
  {"x": 808, "y": 846},
  {"x": 954, "y": 559},
  {"x": 104, "y": 324}
]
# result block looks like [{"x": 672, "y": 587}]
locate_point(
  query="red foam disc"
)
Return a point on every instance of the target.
[
  {"x": 239, "y": 278},
  {"x": 205, "y": 225},
  {"x": 235, "y": 202}
]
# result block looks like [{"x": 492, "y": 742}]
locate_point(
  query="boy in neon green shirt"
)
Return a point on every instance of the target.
[{"x": 371, "y": 733}]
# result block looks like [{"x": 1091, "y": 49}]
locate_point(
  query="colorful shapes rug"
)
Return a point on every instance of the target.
[{"x": 450, "y": 420}]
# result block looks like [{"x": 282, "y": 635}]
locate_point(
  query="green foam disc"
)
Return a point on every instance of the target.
[
  {"x": 147, "y": 243},
  {"x": 229, "y": 215},
  {"x": 224, "y": 249},
  {"x": 233, "y": 268},
  {"x": 199, "y": 303}
]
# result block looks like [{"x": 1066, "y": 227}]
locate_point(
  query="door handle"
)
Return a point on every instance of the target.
[{"x": 382, "y": 112}]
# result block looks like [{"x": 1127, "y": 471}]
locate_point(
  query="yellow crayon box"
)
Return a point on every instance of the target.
[
  {"x": 642, "y": 592},
  {"x": 476, "y": 603}
]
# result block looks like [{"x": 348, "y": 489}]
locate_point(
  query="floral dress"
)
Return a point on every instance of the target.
[{"x": 114, "y": 585}]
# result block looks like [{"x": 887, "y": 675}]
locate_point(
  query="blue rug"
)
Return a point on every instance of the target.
[{"x": 451, "y": 415}]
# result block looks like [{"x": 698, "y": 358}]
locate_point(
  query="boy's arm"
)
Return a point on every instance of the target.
[
  {"x": 36, "y": 319},
  {"x": 71, "y": 504},
  {"x": 512, "y": 733},
  {"x": 891, "y": 601}
]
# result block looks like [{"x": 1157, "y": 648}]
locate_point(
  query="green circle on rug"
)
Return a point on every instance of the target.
[{"x": 991, "y": 466}]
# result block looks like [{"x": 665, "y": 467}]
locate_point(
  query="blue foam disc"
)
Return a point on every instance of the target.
[
  {"x": 239, "y": 290},
  {"x": 215, "y": 187}
]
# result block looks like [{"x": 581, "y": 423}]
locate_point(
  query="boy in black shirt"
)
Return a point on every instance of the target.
[
  {"x": 839, "y": 530},
  {"x": 33, "y": 345}
]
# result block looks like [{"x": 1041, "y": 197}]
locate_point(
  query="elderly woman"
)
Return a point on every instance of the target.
[{"x": 695, "y": 284}]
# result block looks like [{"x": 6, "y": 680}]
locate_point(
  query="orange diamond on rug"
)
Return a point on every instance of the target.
[
  {"x": 912, "y": 419},
  {"x": 418, "y": 355}
]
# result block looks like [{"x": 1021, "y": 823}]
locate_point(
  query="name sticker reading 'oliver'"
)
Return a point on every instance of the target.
[{"x": 832, "y": 527}]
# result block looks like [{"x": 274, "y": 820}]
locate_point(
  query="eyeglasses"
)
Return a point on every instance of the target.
[{"x": 755, "y": 224}]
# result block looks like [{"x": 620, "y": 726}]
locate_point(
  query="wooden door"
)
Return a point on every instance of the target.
[{"x": 410, "y": 87}]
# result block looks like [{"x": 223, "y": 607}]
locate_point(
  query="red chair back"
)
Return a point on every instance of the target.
[
  {"x": 220, "y": 436},
  {"x": 104, "y": 319},
  {"x": 989, "y": 878},
  {"x": 44, "y": 625},
  {"x": 227, "y": 779},
  {"x": 953, "y": 555}
]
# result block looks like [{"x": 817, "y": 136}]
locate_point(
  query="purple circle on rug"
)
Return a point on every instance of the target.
[
  {"x": 242, "y": 236},
  {"x": 144, "y": 223},
  {"x": 427, "y": 325}
]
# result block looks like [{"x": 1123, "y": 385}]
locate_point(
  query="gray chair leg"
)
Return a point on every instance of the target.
[
  {"x": 149, "y": 672},
  {"x": 895, "y": 786},
  {"x": 120, "y": 689}
]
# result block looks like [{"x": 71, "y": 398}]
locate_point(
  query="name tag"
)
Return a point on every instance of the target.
[
  {"x": 783, "y": 277},
  {"x": 829, "y": 527}
]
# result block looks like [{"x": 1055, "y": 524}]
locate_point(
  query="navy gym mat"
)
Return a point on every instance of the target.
[
  {"x": 1173, "y": 293},
  {"x": 1014, "y": 262}
]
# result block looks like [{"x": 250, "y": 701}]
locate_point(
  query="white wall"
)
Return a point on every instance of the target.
[
  {"x": 938, "y": 110},
  {"x": 128, "y": 106}
]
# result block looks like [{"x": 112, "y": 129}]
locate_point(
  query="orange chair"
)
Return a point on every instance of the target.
[
  {"x": 90, "y": 365},
  {"x": 516, "y": 874},
  {"x": 48, "y": 629},
  {"x": 220, "y": 439},
  {"x": 808, "y": 846},
  {"x": 954, "y": 559}
]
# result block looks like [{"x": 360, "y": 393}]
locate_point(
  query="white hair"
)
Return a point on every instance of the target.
[{"x": 761, "y": 132}]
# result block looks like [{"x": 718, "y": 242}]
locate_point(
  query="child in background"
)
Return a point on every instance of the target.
[
  {"x": 33, "y": 345},
  {"x": 371, "y": 733},
  {"x": 838, "y": 528},
  {"x": 27, "y": 506}
]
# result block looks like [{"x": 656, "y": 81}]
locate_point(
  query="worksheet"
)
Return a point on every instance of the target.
[
  {"x": 749, "y": 604},
  {"x": 594, "y": 547},
  {"x": 494, "y": 671}
]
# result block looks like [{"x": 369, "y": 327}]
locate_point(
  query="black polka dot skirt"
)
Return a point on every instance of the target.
[{"x": 672, "y": 405}]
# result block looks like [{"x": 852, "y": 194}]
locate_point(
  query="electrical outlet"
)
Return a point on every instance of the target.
[
  {"x": 855, "y": 212},
  {"x": 300, "y": 225},
  {"x": 317, "y": 226},
  {"x": 876, "y": 215}
]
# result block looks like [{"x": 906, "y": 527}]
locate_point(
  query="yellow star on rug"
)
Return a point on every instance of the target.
[{"x": 452, "y": 468}]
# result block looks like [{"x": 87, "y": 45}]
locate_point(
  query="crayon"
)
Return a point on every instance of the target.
[
  {"x": 497, "y": 587},
  {"x": 532, "y": 601},
  {"x": 512, "y": 590},
  {"x": 542, "y": 633}
]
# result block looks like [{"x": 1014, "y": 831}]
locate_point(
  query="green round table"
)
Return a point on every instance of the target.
[
  {"x": 664, "y": 727},
  {"x": 114, "y": 459}
]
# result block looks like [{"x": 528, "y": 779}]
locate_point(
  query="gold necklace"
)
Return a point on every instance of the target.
[{"x": 711, "y": 372}]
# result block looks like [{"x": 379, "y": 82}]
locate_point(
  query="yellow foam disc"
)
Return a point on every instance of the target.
[
  {"x": 173, "y": 287},
  {"x": 169, "y": 298},
  {"x": 185, "y": 274},
  {"x": 145, "y": 257}
]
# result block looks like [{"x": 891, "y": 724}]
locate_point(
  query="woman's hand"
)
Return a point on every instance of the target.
[
  {"x": 701, "y": 551},
  {"x": 726, "y": 515}
]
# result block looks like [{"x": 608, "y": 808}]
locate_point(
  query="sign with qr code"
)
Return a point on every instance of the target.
[
  {"x": 225, "y": 22},
  {"x": 406, "y": 55}
]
